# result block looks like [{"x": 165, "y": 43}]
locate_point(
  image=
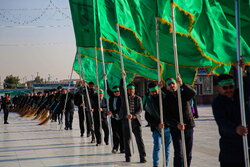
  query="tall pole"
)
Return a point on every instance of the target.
[
  {"x": 240, "y": 82},
  {"x": 98, "y": 92},
  {"x": 81, "y": 78},
  {"x": 160, "y": 95},
  {"x": 124, "y": 85},
  {"x": 86, "y": 88},
  {"x": 177, "y": 73},
  {"x": 106, "y": 92}
]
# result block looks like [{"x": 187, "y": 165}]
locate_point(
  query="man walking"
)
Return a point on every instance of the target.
[
  {"x": 152, "y": 115},
  {"x": 226, "y": 110}
]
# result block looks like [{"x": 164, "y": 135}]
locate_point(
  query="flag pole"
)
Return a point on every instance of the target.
[
  {"x": 98, "y": 92},
  {"x": 124, "y": 85},
  {"x": 66, "y": 99},
  {"x": 240, "y": 82},
  {"x": 106, "y": 92},
  {"x": 86, "y": 88},
  {"x": 160, "y": 95},
  {"x": 177, "y": 73},
  {"x": 81, "y": 78}
]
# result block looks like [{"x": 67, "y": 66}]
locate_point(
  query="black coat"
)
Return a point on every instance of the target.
[
  {"x": 136, "y": 120},
  {"x": 227, "y": 116},
  {"x": 187, "y": 93}
]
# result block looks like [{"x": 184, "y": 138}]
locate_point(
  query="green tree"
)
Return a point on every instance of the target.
[
  {"x": 38, "y": 79},
  {"x": 10, "y": 82}
]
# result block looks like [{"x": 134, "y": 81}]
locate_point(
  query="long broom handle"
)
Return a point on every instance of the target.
[
  {"x": 240, "y": 83},
  {"x": 125, "y": 86},
  {"x": 106, "y": 92},
  {"x": 178, "y": 85},
  {"x": 160, "y": 95}
]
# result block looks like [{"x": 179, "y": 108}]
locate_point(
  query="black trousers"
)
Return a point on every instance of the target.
[
  {"x": 81, "y": 119},
  {"x": 6, "y": 114},
  {"x": 117, "y": 134},
  {"x": 69, "y": 119},
  {"x": 89, "y": 122},
  {"x": 98, "y": 130},
  {"x": 136, "y": 129},
  {"x": 178, "y": 156},
  {"x": 227, "y": 164}
]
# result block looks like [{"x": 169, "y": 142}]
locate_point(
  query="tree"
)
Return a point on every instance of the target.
[
  {"x": 10, "y": 82},
  {"x": 38, "y": 79}
]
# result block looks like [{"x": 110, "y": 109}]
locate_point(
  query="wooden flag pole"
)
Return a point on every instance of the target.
[
  {"x": 124, "y": 85},
  {"x": 240, "y": 82},
  {"x": 178, "y": 85},
  {"x": 106, "y": 92},
  {"x": 98, "y": 93},
  {"x": 160, "y": 94}
]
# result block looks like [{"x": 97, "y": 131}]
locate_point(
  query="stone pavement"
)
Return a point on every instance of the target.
[{"x": 25, "y": 144}]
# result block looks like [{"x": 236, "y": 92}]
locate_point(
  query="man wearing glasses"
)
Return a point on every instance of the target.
[{"x": 226, "y": 110}]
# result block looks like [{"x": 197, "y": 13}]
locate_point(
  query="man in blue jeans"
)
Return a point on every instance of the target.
[{"x": 152, "y": 115}]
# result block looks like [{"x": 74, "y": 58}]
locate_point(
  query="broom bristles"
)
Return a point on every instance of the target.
[
  {"x": 44, "y": 115},
  {"x": 46, "y": 120},
  {"x": 38, "y": 115}
]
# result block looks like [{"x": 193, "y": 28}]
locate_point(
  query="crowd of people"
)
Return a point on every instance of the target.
[{"x": 94, "y": 110}]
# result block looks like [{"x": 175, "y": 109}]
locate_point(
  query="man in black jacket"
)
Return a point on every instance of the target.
[
  {"x": 187, "y": 93},
  {"x": 135, "y": 109},
  {"x": 114, "y": 106},
  {"x": 80, "y": 103},
  {"x": 68, "y": 110},
  {"x": 103, "y": 120},
  {"x": 152, "y": 115},
  {"x": 6, "y": 105},
  {"x": 226, "y": 110}
]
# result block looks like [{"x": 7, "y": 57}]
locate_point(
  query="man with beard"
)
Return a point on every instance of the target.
[
  {"x": 226, "y": 110},
  {"x": 135, "y": 109},
  {"x": 187, "y": 93},
  {"x": 152, "y": 115}
]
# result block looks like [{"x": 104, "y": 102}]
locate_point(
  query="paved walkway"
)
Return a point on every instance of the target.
[{"x": 24, "y": 144}]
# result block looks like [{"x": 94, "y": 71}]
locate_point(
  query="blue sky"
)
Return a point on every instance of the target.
[{"x": 36, "y": 36}]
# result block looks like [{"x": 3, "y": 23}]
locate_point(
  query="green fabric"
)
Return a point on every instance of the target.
[
  {"x": 116, "y": 89},
  {"x": 170, "y": 80},
  {"x": 130, "y": 87},
  {"x": 205, "y": 37},
  {"x": 226, "y": 82},
  {"x": 154, "y": 88}
]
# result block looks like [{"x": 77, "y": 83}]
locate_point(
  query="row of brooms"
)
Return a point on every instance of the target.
[{"x": 40, "y": 113}]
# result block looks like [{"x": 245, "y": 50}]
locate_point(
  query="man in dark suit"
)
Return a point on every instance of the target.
[
  {"x": 135, "y": 109},
  {"x": 6, "y": 105}
]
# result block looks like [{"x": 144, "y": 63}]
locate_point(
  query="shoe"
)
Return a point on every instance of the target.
[
  {"x": 107, "y": 143},
  {"x": 114, "y": 151},
  {"x": 81, "y": 134},
  {"x": 70, "y": 128},
  {"x": 6, "y": 122},
  {"x": 143, "y": 160},
  {"x": 66, "y": 128},
  {"x": 92, "y": 141},
  {"x": 128, "y": 159},
  {"x": 88, "y": 134},
  {"x": 98, "y": 144}
]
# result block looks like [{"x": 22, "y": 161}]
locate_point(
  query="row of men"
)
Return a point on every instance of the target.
[{"x": 225, "y": 109}]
